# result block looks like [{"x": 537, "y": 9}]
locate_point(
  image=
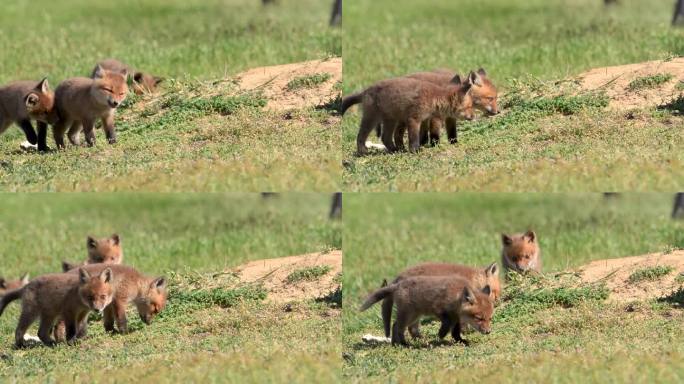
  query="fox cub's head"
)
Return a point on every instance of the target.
[
  {"x": 153, "y": 301},
  {"x": 491, "y": 274},
  {"x": 40, "y": 103},
  {"x": 463, "y": 101},
  {"x": 483, "y": 92},
  {"x": 477, "y": 309},
  {"x": 520, "y": 251},
  {"x": 95, "y": 292},
  {"x": 110, "y": 88},
  {"x": 107, "y": 250},
  {"x": 145, "y": 83},
  {"x": 11, "y": 285}
]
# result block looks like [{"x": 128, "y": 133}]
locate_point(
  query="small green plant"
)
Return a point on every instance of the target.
[
  {"x": 308, "y": 81},
  {"x": 675, "y": 298},
  {"x": 650, "y": 273},
  {"x": 308, "y": 273},
  {"x": 680, "y": 85},
  {"x": 679, "y": 279},
  {"x": 647, "y": 82}
]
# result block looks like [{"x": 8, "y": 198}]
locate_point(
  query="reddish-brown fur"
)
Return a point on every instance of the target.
[
  {"x": 520, "y": 252},
  {"x": 10, "y": 285},
  {"x": 81, "y": 101},
  {"x": 142, "y": 82},
  {"x": 450, "y": 298},
  {"x": 66, "y": 296},
  {"x": 23, "y": 101},
  {"x": 478, "y": 277},
  {"x": 106, "y": 250}
]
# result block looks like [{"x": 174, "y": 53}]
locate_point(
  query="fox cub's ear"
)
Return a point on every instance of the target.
[
  {"x": 3, "y": 285},
  {"x": 138, "y": 77},
  {"x": 482, "y": 72},
  {"x": 99, "y": 72},
  {"x": 456, "y": 80},
  {"x": 91, "y": 242},
  {"x": 158, "y": 283},
  {"x": 531, "y": 236},
  {"x": 475, "y": 78},
  {"x": 106, "y": 275},
  {"x": 32, "y": 100},
  {"x": 492, "y": 270},
  {"x": 506, "y": 240},
  {"x": 468, "y": 295},
  {"x": 124, "y": 73},
  {"x": 116, "y": 239},
  {"x": 25, "y": 279},
  {"x": 83, "y": 275},
  {"x": 43, "y": 86}
]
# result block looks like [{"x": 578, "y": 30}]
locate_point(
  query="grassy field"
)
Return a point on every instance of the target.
[
  {"x": 193, "y": 44},
  {"x": 204, "y": 335},
  {"x": 589, "y": 149},
  {"x": 565, "y": 336}
]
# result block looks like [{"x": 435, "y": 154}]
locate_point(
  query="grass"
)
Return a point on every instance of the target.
[
  {"x": 309, "y": 81},
  {"x": 648, "y": 82},
  {"x": 553, "y": 150},
  {"x": 650, "y": 273},
  {"x": 308, "y": 273},
  {"x": 546, "y": 328},
  {"x": 205, "y": 327},
  {"x": 199, "y": 133}
]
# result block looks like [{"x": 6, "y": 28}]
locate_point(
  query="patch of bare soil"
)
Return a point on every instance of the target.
[
  {"x": 615, "y": 82},
  {"x": 272, "y": 275},
  {"x": 273, "y": 81},
  {"x": 615, "y": 273}
]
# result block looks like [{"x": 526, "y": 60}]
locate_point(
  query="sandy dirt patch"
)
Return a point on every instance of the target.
[
  {"x": 615, "y": 273},
  {"x": 615, "y": 82},
  {"x": 273, "y": 82}
]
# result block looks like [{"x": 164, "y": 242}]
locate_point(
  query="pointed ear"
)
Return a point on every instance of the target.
[
  {"x": 506, "y": 240},
  {"x": 492, "y": 270},
  {"x": 384, "y": 283},
  {"x": 158, "y": 80},
  {"x": 138, "y": 77},
  {"x": 531, "y": 236},
  {"x": 99, "y": 72},
  {"x": 91, "y": 242},
  {"x": 456, "y": 80},
  {"x": 481, "y": 72},
  {"x": 25, "y": 279},
  {"x": 475, "y": 79},
  {"x": 83, "y": 275},
  {"x": 43, "y": 86},
  {"x": 116, "y": 239},
  {"x": 158, "y": 283},
  {"x": 486, "y": 290},
  {"x": 67, "y": 266},
  {"x": 106, "y": 275},
  {"x": 468, "y": 295},
  {"x": 32, "y": 99},
  {"x": 3, "y": 284},
  {"x": 124, "y": 73}
]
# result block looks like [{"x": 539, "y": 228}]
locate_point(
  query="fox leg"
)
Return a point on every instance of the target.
[
  {"x": 435, "y": 127},
  {"x": 25, "y": 320},
  {"x": 30, "y": 134},
  {"x": 388, "y": 127},
  {"x": 120, "y": 315},
  {"x": 58, "y": 130},
  {"x": 89, "y": 132},
  {"x": 452, "y": 131},
  {"x": 456, "y": 333},
  {"x": 447, "y": 325},
  {"x": 109, "y": 318},
  {"x": 403, "y": 321},
  {"x": 368, "y": 122},
  {"x": 414, "y": 330},
  {"x": 74, "y": 132},
  {"x": 424, "y": 132},
  {"x": 399, "y": 136},
  {"x": 42, "y": 137},
  {"x": 45, "y": 329},
  {"x": 60, "y": 331},
  {"x": 4, "y": 124},
  {"x": 108, "y": 124},
  {"x": 413, "y": 134}
]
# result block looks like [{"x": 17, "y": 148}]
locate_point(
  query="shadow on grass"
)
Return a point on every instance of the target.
[{"x": 676, "y": 106}]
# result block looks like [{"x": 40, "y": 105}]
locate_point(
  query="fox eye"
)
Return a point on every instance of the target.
[
  {"x": 102, "y": 297},
  {"x": 108, "y": 90}
]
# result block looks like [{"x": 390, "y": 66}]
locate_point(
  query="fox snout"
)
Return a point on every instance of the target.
[
  {"x": 113, "y": 103},
  {"x": 147, "y": 319}
]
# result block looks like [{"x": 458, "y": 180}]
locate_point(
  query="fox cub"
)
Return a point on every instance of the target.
[
  {"x": 478, "y": 277},
  {"x": 142, "y": 82},
  {"x": 521, "y": 253},
  {"x": 107, "y": 250},
  {"x": 23, "y": 101},
  {"x": 450, "y": 298},
  {"x": 66, "y": 296},
  {"x": 81, "y": 101},
  {"x": 10, "y": 285}
]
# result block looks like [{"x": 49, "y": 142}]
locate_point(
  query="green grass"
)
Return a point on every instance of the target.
[
  {"x": 309, "y": 81},
  {"x": 308, "y": 274},
  {"x": 680, "y": 85},
  {"x": 546, "y": 328},
  {"x": 589, "y": 149},
  {"x": 208, "y": 324},
  {"x": 199, "y": 133},
  {"x": 650, "y": 273},
  {"x": 648, "y": 82}
]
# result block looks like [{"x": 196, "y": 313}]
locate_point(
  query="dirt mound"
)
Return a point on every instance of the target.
[
  {"x": 279, "y": 276},
  {"x": 615, "y": 274},
  {"x": 297, "y": 85},
  {"x": 615, "y": 81}
]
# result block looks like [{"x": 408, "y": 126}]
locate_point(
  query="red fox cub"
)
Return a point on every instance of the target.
[
  {"x": 142, "y": 82},
  {"x": 107, "y": 250},
  {"x": 81, "y": 101},
  {"x": 479, "y": 278},
  {"x": 520, "y": 252},
  {"x": 66, "y": 296},
  {"x": 450, "y": 298},
  {"x": 23, "y": 101},
  {"x": 11, "y": 285},
  {"x": 148, "y": 294},
  {"x": 410, "y": 102}
]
